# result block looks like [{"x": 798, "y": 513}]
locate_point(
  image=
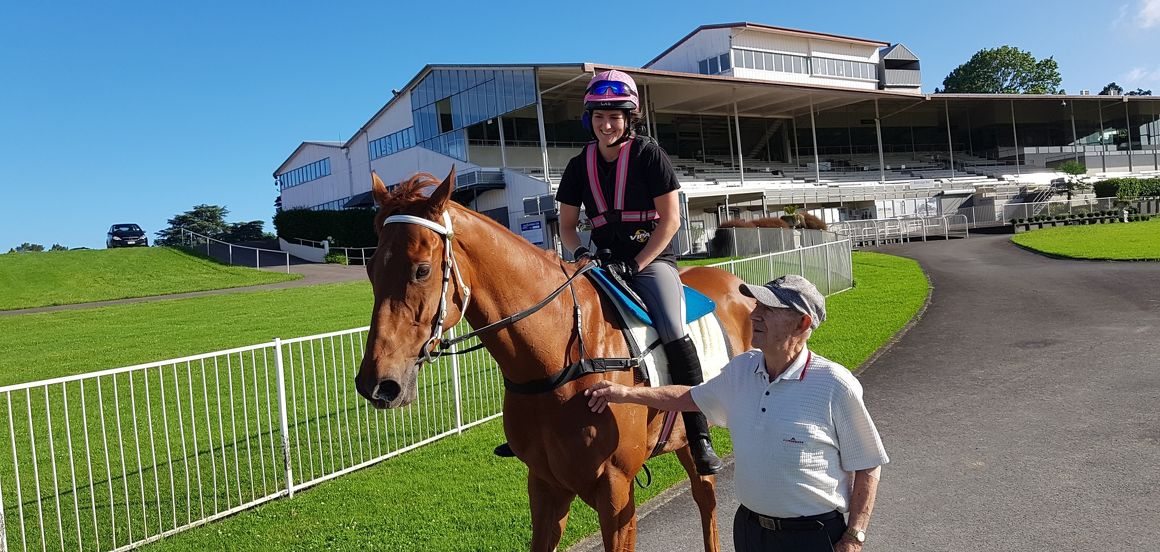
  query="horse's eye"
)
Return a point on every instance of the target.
[{"x": 422, "y": 271}]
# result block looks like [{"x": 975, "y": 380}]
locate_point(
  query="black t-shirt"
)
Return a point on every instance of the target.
[{"x": 650, "y": 175}]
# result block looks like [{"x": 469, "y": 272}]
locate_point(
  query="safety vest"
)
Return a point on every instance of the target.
[{"x": 605, "y": 215}]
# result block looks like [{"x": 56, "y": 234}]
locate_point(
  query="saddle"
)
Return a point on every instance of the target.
[{"x": 701, "y": 323}]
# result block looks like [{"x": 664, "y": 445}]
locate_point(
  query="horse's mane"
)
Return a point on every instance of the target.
[{"x": 409, "y": 192}]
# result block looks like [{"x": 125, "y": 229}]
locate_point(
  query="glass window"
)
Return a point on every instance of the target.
[
  {"x": 714, "y": 68},
  {"x": 759, "y": 60},
  {"x": 725, "y": 65},
  {"x": 703, "y": 67},
  {"x": 747, "y": 56}
]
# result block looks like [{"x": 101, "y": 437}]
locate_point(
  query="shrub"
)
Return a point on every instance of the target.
[
  {"x": 770, "y": 222},
  {"x": 336, "y": 258},
  {"x": 349, "y": 228},
  {"x": 812, "y": 222},
  {"x": 1128, "y": 188}
]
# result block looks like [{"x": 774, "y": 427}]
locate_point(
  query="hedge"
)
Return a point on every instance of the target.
[
  {"x": 347, "y": 228},
  {"x": 1127, "y": 187}
]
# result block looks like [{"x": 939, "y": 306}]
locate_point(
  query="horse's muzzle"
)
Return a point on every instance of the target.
[{"x": 387, "y": 392}]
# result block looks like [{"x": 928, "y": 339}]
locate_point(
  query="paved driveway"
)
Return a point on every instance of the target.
[{"x": 1022, "y": 413}]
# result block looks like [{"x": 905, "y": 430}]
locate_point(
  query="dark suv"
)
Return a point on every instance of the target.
[{"x": 126, "y": 235}]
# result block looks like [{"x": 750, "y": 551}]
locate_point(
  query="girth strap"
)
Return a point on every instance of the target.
[{"x": 577, "y": 370}]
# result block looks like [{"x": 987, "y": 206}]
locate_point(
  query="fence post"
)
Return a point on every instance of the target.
[
  {"x": 283, "y": 422},
  {"x": 829, "y": 286},
  {"x": 231, "y": 253},
  {"x": 3, "y": 524},
  {"x": 455, "y": 387},
  {"x": 802, "y": 262}
]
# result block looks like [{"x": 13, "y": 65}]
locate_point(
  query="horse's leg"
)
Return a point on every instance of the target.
[
  {"x": 704, "y": 494},
  {"x": 612, "y": 499},
  {"x": 549, "y": 505}
]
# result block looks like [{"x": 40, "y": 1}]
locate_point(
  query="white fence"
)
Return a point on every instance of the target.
[
  {"x": 233, "y": 254},
  {"x": 880, "y": 231},
  {"x": 115, "y": 459}
]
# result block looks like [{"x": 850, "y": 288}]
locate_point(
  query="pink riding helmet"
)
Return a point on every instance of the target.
[{"x": 611, "y": 90}]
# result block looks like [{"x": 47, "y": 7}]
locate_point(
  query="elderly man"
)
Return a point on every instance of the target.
[{"x": 807, "y": 451}]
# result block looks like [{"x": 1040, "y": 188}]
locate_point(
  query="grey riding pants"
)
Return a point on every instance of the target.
[{"x": 659, "y": 286}]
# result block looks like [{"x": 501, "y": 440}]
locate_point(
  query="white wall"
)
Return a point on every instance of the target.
[
  {"x": 396, "y": 118},
  {"x": 398, "y": 167},
  {"x": 328, "y": 188},
  {"x": 707, "y": 43},
  {"x": 766, "y": 41}
]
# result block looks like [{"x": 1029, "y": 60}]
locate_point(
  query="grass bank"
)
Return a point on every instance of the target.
[
  {"x": 1135, "y": 241},
  {"x": 67, "y": 277}
]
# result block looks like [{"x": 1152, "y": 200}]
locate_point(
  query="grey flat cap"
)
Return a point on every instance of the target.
[{"x": 791, "y": 292}]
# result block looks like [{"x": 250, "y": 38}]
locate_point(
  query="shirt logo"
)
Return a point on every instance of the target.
[
  {"x": 640, "y": 236},
  {"x": 793, "y": 441}
]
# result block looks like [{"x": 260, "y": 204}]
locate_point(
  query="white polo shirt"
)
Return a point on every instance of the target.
[{"x": 796, "y": 440}]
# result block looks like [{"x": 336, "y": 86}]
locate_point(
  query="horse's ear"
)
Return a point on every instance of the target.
[
  {"x": 379, "y": 190},
  {"x": 442, "y": 194}
]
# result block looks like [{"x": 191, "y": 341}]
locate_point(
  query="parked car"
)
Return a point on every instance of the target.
[{"x": 126, "y": 235}]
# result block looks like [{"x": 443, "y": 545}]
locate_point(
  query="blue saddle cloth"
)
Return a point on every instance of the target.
[{"x": 696, "y": 303}]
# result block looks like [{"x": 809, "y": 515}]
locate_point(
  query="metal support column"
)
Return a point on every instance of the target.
[
  {"x": 1103, "y": 148},
  {"x": 1074, "y": 138},
  {"x": 1128, "y": 127},
  {"x": 502, "y": 143},
  {"x": 797, "y": 153},
  {"x": 740, "y": 152},
  {"x": 814, "y": 134},
  {"x": 543, "y": 134},
  {"x": 950, "y": 142},
  {"x": 878, "y": 133},
  {"x": 1015, "y": 133}
]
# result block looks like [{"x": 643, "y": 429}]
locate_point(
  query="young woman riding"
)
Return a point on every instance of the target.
[{"x": 628, "y": 189}]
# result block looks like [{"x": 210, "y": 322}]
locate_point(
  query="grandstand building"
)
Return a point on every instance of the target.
[{"x": 754, "y": 117}]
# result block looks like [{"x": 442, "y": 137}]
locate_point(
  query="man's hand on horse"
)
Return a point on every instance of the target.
[
  {"x": 605, "y": 392},
  {"x": 580, "y": 254}
]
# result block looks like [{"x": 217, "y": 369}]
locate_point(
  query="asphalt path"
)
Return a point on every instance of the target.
[{"x": 1021, "y": 412}]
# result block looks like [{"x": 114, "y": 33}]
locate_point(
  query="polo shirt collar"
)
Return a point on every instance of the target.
[{"x": 796, "y": 371}]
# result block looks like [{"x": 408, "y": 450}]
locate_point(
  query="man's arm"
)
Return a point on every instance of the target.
[
  {"x": 861, "y": 505},
  {"x": 672, "y": 398}
]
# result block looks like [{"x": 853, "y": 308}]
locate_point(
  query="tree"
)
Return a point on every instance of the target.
[
  {"x": 244, "y": 231},
  {"x": 58, "y": 247},
  {"x": 1076, "y": 180},
  {"x": 1139, "y": 92},
  {"x": 207, "y": 220},
  {"x": 27, "y": 248},
  {"x": 1111, "y": 89},
  {"x": 1004, "y": 70}
]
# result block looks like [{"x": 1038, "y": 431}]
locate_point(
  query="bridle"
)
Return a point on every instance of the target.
[{"x": 445, "y": 230}]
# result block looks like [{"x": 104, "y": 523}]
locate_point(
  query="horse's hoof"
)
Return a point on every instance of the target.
[{"x": 504, "y": 451}]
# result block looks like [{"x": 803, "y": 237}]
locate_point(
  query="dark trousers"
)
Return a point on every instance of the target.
[{"x": 808, "y": 534}]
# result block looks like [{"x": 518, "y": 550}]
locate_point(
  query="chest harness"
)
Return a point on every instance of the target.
[{"x": 617, "y": 214}]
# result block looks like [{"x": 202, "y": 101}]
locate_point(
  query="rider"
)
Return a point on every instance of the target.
[{"x": 635, "y": 216}]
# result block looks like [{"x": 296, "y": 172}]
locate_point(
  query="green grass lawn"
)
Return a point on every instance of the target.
[
  {"x": 1135, "y": 241},
  {"x": 67, "y": 277},
  {"x": 454, "y": 495}
]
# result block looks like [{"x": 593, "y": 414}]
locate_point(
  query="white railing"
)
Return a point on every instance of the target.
[
  {"x": 829, "y": 266},
  {"x": 193, "y": 240},
  {"x": 875, "y": 232},
  {"x": 115, "y": 459},
  {"x": 355, "y": 255}
]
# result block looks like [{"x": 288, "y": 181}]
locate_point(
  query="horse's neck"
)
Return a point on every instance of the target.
[{"x": 509, "y": 275}]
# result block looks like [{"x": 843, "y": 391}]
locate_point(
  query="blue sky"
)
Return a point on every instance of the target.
[{"x": 137, "y": 111}]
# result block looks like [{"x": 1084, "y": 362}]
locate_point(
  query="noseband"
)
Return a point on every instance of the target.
[{"x": 445, "y": 230}]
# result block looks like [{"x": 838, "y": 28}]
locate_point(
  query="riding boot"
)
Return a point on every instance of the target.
[
  {"x": 504, "y": 450},
  {"x": 685, "y": 369}
]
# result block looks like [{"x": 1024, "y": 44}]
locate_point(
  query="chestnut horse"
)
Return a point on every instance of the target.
[{"x": 420, "y": 289}]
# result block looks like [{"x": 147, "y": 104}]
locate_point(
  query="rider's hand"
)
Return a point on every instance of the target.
[
  {"x": 605, "y": 392},
  {"x": 625, "y": 269},
  {"x": 580, "y": 253}
]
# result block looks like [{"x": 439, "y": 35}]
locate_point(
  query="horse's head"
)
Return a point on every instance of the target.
[{"x": 407, "y": 275}]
